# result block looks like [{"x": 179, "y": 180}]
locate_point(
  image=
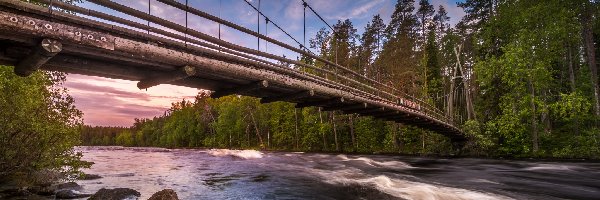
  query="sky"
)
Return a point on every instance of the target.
[{"x": 113, "y": 102}]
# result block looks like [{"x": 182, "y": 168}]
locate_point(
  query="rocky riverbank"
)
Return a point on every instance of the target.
[{"x": 72, "y": 190}]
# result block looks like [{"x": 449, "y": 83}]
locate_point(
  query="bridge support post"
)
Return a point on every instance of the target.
[
  {"x": 47, "y": 49},
  {"x": 167, "y": 77}
]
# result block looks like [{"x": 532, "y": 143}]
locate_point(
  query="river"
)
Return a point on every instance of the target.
[{"x": 233, "y": 174}]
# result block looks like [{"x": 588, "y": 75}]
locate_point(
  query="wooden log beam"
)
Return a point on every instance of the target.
[
  {"x": 346, "y": 107},
  {"x": 237, "y": 90},
  {"x": 45, "y": 50},
  {"x": 289, "y": 97},
  {"x": 336, "y": 100},
  {"x": 167, "y": 77}
]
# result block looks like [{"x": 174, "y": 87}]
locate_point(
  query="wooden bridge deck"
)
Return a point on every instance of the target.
[{"x": 100, "y": 49}]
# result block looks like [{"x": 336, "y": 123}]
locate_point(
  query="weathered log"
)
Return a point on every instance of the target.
[
  {"x": 167, "y": 77},
  {"x": 290, "y": 97},
  {"x": 336, "y": 100},
  {"x": 241, "y": 89},
  {"x": 47, "y": 49}
]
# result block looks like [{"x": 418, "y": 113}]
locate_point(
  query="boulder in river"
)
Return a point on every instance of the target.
[
  {"x": 68, "y": 185},
  {"x": 89, "y": 177},
  {"x": 115, "y": 194},
  {"x": 70, "y": 194},
  {"x": 48, "y": 190},
  {"x": 166, "y": 194}
]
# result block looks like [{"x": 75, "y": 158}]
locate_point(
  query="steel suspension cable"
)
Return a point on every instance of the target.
[
  {"x": 258, "y": 26},
  {"x": 274, "y": 24},
  {"x": 149, "y": 14},
  {"x": 369, "y": 79},
  {"x": 186, "y": 22},
  {"x": 267, "y": 34},
  {"x": 304, "y": 38},
  {"x": 245, "y": 30}
]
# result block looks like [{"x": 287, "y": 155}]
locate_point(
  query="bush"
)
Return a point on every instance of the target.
[{"x": 38, "y": 125}]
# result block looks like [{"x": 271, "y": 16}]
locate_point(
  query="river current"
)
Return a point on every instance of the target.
[{"x": 248, "y": 174}]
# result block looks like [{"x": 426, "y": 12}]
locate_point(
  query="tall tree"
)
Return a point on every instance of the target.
[{"x": 401, "y": 35}]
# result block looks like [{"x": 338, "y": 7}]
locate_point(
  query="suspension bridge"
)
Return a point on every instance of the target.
[{"x": 62, "y": 37}]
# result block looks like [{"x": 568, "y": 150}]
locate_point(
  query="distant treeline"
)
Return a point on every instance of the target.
[{"x": 242, "y": 122}]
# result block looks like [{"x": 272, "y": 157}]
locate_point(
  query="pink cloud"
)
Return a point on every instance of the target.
[{"x": 111, "y": 102}]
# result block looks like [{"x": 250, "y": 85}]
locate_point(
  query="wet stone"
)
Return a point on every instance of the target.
[
  {"x": 115, "y": 194},
  {"x": 70, "y": 194},
  {"x": 166, "y": 194},
  {"x": 90, "y": 177}
]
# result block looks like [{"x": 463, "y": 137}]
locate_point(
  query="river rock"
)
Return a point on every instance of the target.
[
  {"x": 70, "y": 194},
  {"x": 166, "y": 194},
  {"x": 115, "y": 194},
  {"x": 89, "y": 177},
  {"x": 68, "y": 185},
  {"x": 43, "y": 190}
]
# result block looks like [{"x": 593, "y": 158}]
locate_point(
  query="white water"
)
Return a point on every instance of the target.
[
  {"x": 250, "y": 174},
  {"x": 245, "y": 154}
]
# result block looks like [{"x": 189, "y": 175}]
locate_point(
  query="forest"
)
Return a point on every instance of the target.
[{"x": 519, "y": 78}]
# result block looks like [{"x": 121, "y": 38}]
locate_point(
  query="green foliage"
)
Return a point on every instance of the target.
[{"x": 38, "y": 125}]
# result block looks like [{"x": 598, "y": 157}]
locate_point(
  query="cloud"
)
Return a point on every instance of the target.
[
  {"x": 112, "y": 102},
  {"x": 104, "y": 90},
  {"x": 106, "y": 110},
  {"x": 361, "y": 10}
]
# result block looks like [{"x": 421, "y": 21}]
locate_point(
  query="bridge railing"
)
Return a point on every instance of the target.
[{"x": 332, "y": 73}]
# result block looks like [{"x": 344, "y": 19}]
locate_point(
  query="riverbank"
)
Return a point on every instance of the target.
[{"x": 72, "y": 190}]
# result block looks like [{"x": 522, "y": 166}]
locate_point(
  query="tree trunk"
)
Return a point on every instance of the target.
[
  {"x": 395, "y": 136},
  {"x": 248, "y": 134},
  {"x": 296, "y": 126},
  {"x": 337, "y": 145},
  {"x": 257, "y": 131},
  {"x": 573, "y": 86},
  {"x": 320, "y": 129},
  {"x": 534, "y": 128},
  {"x": 423, "y": 142},
  {"x": 354, "y": 145},
  {"x": 467, "y": 92},
  {"x": 591, "y": 53},
  {"x": 571, "y": 70},
  {"x": 398, "y": 141},
  {"x": 451, "y": 95}
]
